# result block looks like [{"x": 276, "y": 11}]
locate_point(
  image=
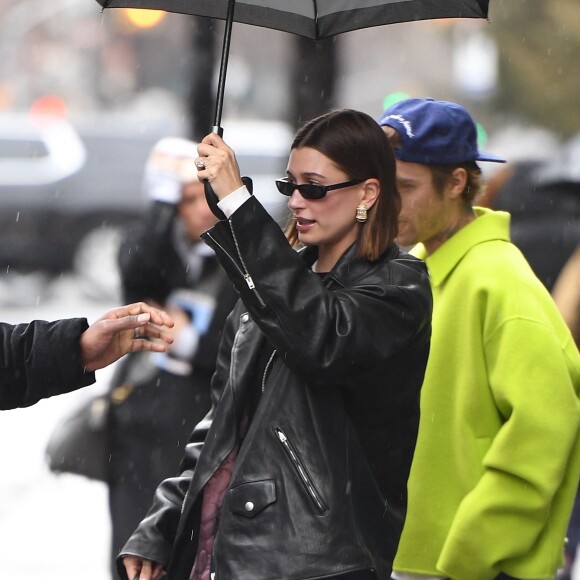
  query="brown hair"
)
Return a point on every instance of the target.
[
  {"x": 441, "y": 174},
  {"x": 357, "y": 145}
]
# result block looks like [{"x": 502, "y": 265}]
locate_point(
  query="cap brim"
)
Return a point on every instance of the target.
[{"x": 489, "y": 157}]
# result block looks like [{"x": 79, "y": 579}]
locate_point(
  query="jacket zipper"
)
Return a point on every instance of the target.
[
  {"x": 243, "y": 270},
  {"x": 246, "y": 274},
  {"x": 303, "y": 475}
]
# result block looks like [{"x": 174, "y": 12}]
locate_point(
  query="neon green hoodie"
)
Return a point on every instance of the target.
[{"x": 497, "y": 461}]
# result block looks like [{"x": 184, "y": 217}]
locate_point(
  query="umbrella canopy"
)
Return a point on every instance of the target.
[{"x": 315, "y": 19}]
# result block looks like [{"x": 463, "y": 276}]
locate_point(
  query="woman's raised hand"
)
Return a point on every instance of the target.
[{"x": 217, "y": 164}]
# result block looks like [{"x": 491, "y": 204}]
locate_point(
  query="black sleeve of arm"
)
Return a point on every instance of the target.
[
  {"x": 39, "y": 360},
  {"x": 324, "y": 335}
]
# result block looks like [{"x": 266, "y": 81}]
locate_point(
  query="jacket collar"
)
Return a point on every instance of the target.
[
  {"x": 489, "y": 225},
  {"x": 349, "y": 267}
]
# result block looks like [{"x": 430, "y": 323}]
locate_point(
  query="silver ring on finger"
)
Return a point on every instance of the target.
[{"x": 200, "y": 164}]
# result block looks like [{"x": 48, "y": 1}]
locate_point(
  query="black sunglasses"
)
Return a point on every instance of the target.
[{"x": 310, "y": 190}]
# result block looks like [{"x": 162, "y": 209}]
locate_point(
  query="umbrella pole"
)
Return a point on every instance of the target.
[{"x": 223, "y": 68}]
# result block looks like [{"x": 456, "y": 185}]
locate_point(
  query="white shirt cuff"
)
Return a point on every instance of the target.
[{"x": 234, "y": 200}]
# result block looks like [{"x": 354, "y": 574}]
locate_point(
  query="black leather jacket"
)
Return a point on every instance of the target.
[{"x": 319, "y": 483}]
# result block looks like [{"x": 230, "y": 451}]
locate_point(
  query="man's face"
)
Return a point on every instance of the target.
[
  {"x": 425, "y": 211},
  {"x": 194, "y": 211}
]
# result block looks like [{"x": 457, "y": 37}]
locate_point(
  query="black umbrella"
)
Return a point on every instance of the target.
[{"x": 315, "y": 19}]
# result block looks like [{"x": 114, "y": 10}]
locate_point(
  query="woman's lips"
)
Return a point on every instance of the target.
[{"x": 303, "y": 225}]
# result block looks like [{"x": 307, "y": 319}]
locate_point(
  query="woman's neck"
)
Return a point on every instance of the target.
[{"x": 329, "y": 255}]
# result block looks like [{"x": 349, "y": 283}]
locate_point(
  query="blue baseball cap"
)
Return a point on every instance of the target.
[{"x": 435, "y": 133}]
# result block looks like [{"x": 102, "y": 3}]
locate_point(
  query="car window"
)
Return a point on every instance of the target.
[{"x": 18, "y": 148}]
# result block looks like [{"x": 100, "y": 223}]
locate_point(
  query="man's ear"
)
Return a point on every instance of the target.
[
  {"x": 371, "y": 190},
  {"x": 457, "y": 181}
]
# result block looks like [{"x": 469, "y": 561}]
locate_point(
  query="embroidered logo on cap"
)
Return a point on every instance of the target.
[{"x": 406, "y": 124}]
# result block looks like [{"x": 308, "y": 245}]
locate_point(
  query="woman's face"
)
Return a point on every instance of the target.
[{"x": 328, "y": 223}]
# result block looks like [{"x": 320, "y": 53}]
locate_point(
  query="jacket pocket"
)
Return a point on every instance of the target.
[
  {"x": 249, "y": 499},
  {"x": 301, "y": 471}
]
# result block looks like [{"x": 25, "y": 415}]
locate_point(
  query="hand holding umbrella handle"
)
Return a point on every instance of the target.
[{"x": 210, "y": 196}]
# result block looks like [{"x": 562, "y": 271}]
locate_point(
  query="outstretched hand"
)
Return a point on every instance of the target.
[{"x": 122, "y": 330}]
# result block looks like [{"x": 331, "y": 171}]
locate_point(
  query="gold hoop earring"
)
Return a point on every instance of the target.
[{"x": 361, "y": 213}]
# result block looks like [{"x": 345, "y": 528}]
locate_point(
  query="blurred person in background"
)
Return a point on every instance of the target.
[
  {"x": 545, "y": 214},
  {"x": 41, "y": 359},
  {"x": 566, "y": 294},
  {"x": 158, "y": 399},
  {"x": 497, "y": 460}
]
